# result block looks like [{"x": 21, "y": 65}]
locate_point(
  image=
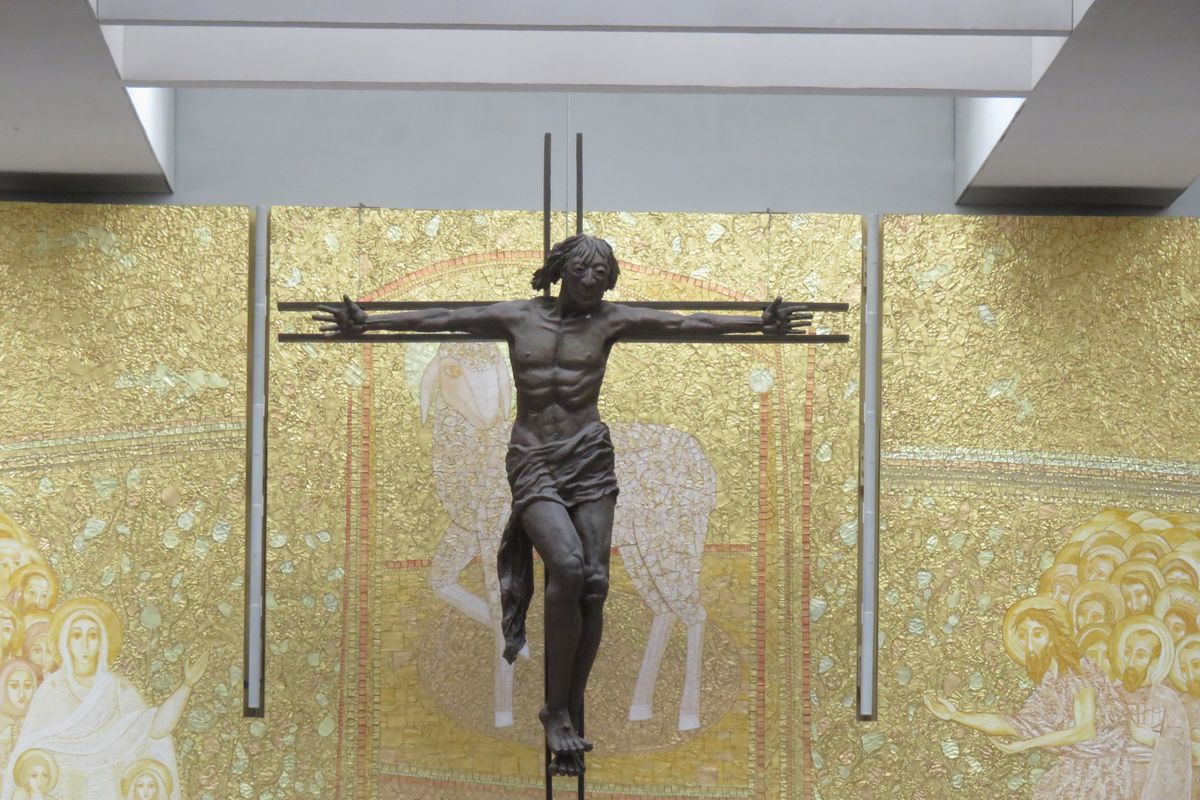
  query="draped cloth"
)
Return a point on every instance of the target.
[
  {"x": 569, "y": 472},
  {"x": 1163, "y": 771},
  {"x": 93, "y": 735},
  {"x": 94, "y": 732},
  {"x": 1095, "y": 769}
]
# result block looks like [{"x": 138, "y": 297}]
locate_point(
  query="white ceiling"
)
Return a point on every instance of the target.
[
  {"x": 1009, "y": 16},
  {"x": 1116, "y": 107},
  {"x": 577, "y": 60},
  {"x": 717, "y": 45}
]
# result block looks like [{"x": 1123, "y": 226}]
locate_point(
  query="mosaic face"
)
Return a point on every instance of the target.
[
  {"x": 19, "y": 688},
  {"x": 1189, "y": 667},
  {"x": 1138, "y": 596},
  {"x": 1091, "y": 612},
  {"x": 146, "y": 788}
]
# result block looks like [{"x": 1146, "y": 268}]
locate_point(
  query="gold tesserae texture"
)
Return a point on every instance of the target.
[
  {"x": 1040, "y": 579},
  {"x": 1039, "y": 502},
  {"x": 387, "y": 496},
  {"x": 122, "y": 506}
]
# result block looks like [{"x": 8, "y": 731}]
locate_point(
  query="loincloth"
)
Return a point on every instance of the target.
[{"x": 571, "y": 472}]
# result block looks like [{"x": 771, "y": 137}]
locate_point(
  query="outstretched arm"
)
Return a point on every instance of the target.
[
  {"x": 168, "y": 714},
  {"x": 777, "y": 318},
  {"x": 996, "y": 725},
  {"x": 348, "y": 319},
  {"x": 1083, "y": 729},
  {"x": 991, "y": 724}
]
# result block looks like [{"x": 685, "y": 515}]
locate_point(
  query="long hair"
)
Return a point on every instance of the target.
[
  {"x": 578, "y": 246},
  {"x": 1062, "y": 647}
]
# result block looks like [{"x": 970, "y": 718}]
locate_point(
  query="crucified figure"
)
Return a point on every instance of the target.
[{"x": 560, "y": 457}]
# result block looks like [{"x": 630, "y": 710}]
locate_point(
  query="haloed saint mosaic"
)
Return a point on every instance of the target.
[
  {"x": 122, "y": 506},
  {"x": 1040, "y": 491},
  {"x": 1111, "y": 644},
  {"x": 71, "y": 726}
]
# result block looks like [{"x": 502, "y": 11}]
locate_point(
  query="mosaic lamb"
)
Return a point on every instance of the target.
[{"x": 668, "y": 490}]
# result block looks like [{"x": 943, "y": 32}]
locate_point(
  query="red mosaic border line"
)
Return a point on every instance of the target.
[
  {"x": 760, "y": 593},
  {"x": 341, "y": 721},
  {"x": 806, "y": 717},
  {"x": 788, "y": 687},
  {"x": 363, "y": 745}
]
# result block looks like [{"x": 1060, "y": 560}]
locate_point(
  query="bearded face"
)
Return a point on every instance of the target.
[
  {"x": 1137, "y": 596},
  {"x": 1035, "y": 637},
  {"x": 1140, "y": 650},
  {"x": 1189, "y": 668}
]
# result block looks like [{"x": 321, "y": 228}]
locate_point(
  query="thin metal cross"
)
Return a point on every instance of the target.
[{"x": 758, "y": 338}]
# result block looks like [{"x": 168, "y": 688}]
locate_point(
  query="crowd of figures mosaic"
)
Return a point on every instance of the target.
[
  {"x": 70, "y": 726},
  {"x": 1112, "y": 644}
]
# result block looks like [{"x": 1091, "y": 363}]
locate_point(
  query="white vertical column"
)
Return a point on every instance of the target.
[
  {"x": 868, "y": 482},
  {"x": 256, "y": 480}
]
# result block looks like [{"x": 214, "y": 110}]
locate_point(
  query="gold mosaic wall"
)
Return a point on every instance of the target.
[
  {"x": 122, "y": 503},
  {"x": 381, "y": 521},
  {"x": 1039, "y": 385},
  {"x": 1038, "y": 377}
]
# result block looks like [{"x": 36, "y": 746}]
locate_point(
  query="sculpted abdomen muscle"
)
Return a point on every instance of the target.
[{"x": 559, "y": 366}]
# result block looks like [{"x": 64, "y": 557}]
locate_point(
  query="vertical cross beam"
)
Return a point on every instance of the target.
[
  {"x": 545, "y": 573},
  {"x": 581, "y": 786},
  {"x": 579, "y": 230},
  {"x": 549, "y": 778}
]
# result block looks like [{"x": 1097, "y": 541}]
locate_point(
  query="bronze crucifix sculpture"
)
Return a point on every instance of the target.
[{"x": 560, "y": 461}]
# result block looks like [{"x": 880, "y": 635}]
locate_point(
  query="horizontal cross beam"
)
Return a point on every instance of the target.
[
  {"x": 715, "y": 338},
  {"x": 672, "y": 305}
]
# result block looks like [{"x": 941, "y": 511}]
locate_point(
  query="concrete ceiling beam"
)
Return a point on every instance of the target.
[
  {"x": 178, "y": 55},
  {"x": 1028, "y": 17}
]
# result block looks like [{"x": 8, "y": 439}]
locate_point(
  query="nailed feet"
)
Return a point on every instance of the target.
[{"x": 567, "y": 746}]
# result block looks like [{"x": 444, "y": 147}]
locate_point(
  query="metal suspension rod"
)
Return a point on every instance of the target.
[
  {"x": 578, "y": 184},
  {"x": 546, "y": 203}
]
